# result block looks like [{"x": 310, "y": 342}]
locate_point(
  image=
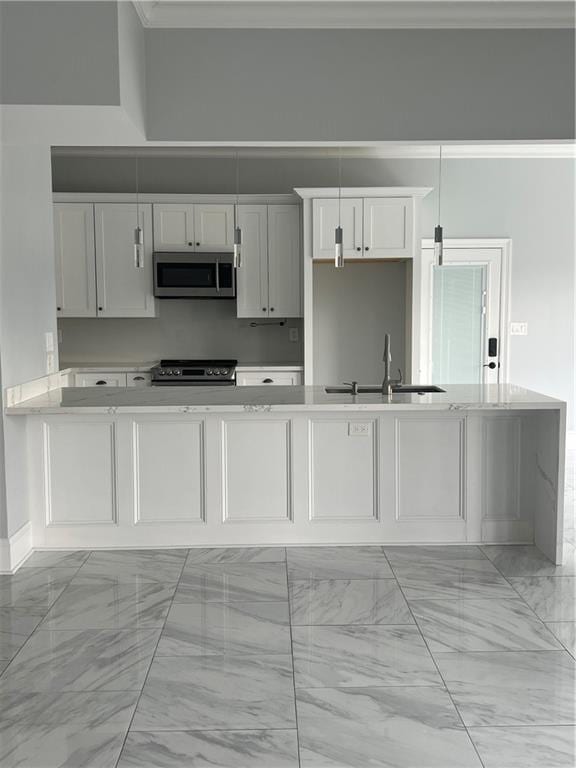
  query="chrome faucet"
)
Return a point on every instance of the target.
[{"x": 387, "y": 382}]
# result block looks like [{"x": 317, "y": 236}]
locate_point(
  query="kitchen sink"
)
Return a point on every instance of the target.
[{"x": 399, "y": 389}]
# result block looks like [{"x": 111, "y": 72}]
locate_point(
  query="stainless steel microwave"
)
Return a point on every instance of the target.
[{"x": 194, "y": 275}]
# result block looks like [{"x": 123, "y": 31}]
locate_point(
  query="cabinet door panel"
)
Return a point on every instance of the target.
[
  {"x": 344, "y": 483},
  {"x": 429, "y": 464},
  {"x": 387, "y": 227},
  {"x": 214, "y": 227},
  {"x": 257, "y": 471},
  {"x": 80, "y": 472},
  {"x": 252, "y": 276},
  {"x": 122, "y": 289},
  {"x": 177, "y": 492},
  {"x": 325, "y": 216},
  {"x": 173, "y": 227},
  {"x": 284, "y": 261},
  {"x": 75, "y": 259}
]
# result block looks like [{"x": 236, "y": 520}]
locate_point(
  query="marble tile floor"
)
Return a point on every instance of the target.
[{"x": 318, "y": 657}]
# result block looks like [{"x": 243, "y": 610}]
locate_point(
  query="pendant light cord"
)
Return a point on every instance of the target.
[
  {"x": 439, "y": 182},
  {"x": 237, "y": 178},
  {"x": 137, "y": 175},
  {"x": 339, "y": 186}
]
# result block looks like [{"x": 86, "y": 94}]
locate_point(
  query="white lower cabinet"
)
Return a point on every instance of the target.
[
  {"x": 104, "y": 379},
  {"x": 258, "y": 477},
  {"x": 272, "y": 377}
]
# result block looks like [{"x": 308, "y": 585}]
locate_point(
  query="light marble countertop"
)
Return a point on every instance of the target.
[
  {"x": 74, "y": 400},
  {"x": 93, "y": 366}
]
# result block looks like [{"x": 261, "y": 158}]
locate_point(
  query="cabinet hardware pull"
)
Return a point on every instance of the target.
[
  {"x": 358, "y": 248},
  {"x": 190, "y": 243},
  {"x": 366, "y": 248},
  {"x": 138, "y": 378},
  {"x": 59, "y": 309},
  {"x": 267, "y": 381},
  {"x": 197, "y": 244},
  {"x": 101, "y": 382},
  {"x": 271, "y": 309},
  {"x": 99, "y": 309}
]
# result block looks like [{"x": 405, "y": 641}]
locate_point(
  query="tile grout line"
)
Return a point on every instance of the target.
[
  {"x": 292, "y": 657},
  {"x": 153, "y": 656},
  {"x": 436, "y": 666}
]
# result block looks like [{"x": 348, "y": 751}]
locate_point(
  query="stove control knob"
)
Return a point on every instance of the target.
[
  {"x": 217, "y": 372},
  {"x": 224, "y": 371},
  {"x": 177, "y": 372},
  {"x": 161, "y": 373},
  {"x": 209, "y": 372}
]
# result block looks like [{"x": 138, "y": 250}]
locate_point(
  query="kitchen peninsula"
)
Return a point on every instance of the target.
[{"x": 234, "y": 466}]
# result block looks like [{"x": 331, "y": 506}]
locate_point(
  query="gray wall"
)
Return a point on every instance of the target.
[
  {"x": 59, "y": 53},
  {"x": 530, "y": 201},
  {"x": 353, "y": 309},
  {"x": 360, "y": 85}
]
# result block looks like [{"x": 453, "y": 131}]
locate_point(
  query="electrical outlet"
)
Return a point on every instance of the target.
[
  {"x": 59, "y": 335},
  {"x": 49, "y": 341},
  {"x": 519, "y": 329},
  {"x": 293, "y": 334},
  {"x": 358, "y": 428}
]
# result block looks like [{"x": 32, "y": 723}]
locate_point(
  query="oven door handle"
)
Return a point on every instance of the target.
[{"x": 217, "y": 275}]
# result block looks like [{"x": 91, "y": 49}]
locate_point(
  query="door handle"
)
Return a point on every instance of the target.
[
  {"x": 490, "y": 365},
  {"x": 218, "y": 276}
]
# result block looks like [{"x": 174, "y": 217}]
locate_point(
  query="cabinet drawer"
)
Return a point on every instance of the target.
[
  {"x": 138, "y": 379},
  {"x": 100, "y": 379},
  {"x": 269, "y": 378}
]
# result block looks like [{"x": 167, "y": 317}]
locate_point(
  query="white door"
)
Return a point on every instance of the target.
[
  {"x": 387, "y": 227},
  {"x": 214, "y": 227},
  {"x": 173, "y": 227},
  {"x": 463, "y": 317},
  {"x": 325, "y": 217},
  {"x": 75, "y": 259},
  {"x": 284, "y": 261},
  {"x": 122, "y": 289},
  {"x": 252, "y": 275}
]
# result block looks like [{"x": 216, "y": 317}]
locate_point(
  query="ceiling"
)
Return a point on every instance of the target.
[{"x": 357, "y": 14}]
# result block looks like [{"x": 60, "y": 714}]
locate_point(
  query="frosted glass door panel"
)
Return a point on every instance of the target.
[{"x": 458, "y": 323}]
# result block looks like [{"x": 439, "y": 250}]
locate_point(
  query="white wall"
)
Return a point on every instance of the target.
[
  {"x": 353, "y": 308},
  {"x": 27, "y": 296},
  {"x": 360, "y": 84},
  {"x": 195, "y": 329}
]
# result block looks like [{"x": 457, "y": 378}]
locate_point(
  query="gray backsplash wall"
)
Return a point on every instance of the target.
[{"x": 183, "y": 328}]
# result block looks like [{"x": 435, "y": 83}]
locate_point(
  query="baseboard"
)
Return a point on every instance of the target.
[{"x": 15, "y": 550}]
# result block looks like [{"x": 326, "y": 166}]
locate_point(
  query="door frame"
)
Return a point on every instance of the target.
[{"x": 421, "y": 339}]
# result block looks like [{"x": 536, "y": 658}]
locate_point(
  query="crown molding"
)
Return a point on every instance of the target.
[
  {"x": 346, "y": 151},
  {"x": 356, "y": 14}
]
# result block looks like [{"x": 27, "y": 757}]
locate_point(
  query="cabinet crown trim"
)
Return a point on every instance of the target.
[
  {"x": 129, "y": 197},
  {"x": 329, "y": 192}
]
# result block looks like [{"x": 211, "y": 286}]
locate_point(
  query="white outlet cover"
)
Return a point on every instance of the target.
[
  {"x": 49, "y": 341},
  {"x": 293, "y": 334},
  {"x": 359, "y": 428},
  {"x": 519, "y": 329}
]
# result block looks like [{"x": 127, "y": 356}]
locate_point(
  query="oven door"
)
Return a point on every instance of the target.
[{"x": 194, "y": 275}]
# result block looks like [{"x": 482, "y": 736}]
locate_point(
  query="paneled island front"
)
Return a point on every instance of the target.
[{"x": 234, "y": 466}]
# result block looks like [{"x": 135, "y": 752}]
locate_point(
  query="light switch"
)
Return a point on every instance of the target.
[
  {"x": 49, "y": 341},
  {"x": 519, "y": 329}
]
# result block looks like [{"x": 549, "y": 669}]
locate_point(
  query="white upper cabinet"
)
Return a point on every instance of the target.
[
  {"x": 372, "y": 227},
  {"x": 387, "y": 227},
  {"x": 214, "y": 227},
  {"x": 326, "y": 215},
  {"x": 284, "y": 261},
  {"x": 122, "y": 289},
  {"x": 193, "y": 227},
  {"x": 174, "y": 227},
  {"x": 269, "y": 279},
  {"x": 252, "y": 276},
  {"x": 74, "y": 256}
]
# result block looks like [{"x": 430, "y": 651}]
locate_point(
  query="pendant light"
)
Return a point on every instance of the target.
[
  {"x": 138, "y": 232},
  {"x": 438, "y": 234},
  {"x": 338, "y": 239},
  {"x": 237, "y": 229}
]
